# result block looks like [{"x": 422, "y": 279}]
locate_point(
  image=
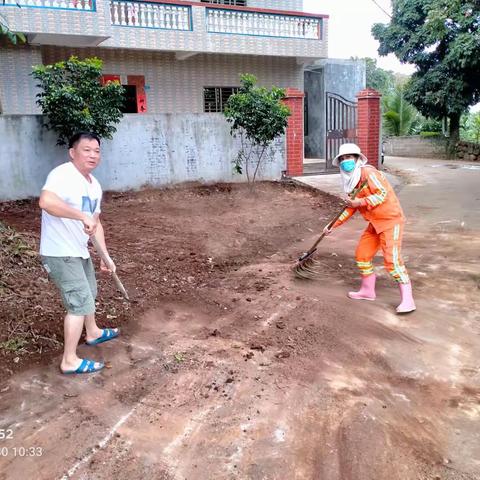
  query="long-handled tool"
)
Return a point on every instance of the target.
[
  {"x": 305, "y": 266},
  {"x": 106, "y": 260}
]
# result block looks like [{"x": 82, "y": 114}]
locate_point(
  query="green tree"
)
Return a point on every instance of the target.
[
  {"x": 381, "y": 80},
  {"x": 73, "y": 98},
  {"x": 440, "y": 37},
  {"x": 399, "y": 117},
  {"x": 471, "y": 127},
  {"x": 429, "y": 125},
  {"x": 258, "y": 116}
]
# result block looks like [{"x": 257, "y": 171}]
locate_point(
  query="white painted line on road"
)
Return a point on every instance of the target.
[{"x": 101, "y": 444}]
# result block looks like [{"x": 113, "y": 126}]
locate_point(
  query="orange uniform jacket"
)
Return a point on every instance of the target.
[{"x": 380, "y": 206}]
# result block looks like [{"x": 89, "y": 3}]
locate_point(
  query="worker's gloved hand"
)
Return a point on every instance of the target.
[
  {"x": 355, "y": 203},
  {"x": 327, "y": 230}
]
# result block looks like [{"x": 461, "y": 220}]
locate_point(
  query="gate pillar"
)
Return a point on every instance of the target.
[
  {"x": 294, "y": 134},
  {"x": 368, "y": 124}
]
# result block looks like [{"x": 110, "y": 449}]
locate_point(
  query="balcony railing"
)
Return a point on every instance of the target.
[
  {"x": 88, "y": 5},
  {"x": 262, "y": 24},
  {"x": 150, "y": 15}
]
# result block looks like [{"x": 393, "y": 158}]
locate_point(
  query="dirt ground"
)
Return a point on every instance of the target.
[{"x": 230, "y": 368}]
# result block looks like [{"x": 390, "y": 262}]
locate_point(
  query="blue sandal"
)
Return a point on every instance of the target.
[
  {"x": 107, "y": 334},
  {"x": 87, "y": 366}
]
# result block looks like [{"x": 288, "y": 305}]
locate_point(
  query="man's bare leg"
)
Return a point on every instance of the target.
[
  {"x": 93, "y": 332},
  {"x": 91, "y": 327},
  {"x": 73, "y": 327}
]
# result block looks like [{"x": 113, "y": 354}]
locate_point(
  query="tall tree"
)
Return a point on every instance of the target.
[
  {"x": 381, "y": 80},
  {"x": 440, "y": 37}
]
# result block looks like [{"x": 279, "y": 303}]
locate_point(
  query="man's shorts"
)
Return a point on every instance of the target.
[{"x": 75, "y": 278}]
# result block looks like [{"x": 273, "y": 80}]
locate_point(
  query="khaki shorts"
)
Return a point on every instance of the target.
[{"x": 75, "y": 278}]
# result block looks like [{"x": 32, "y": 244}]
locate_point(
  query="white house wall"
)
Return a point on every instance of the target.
[
  {"x": 17, "y": 86},
  {"x": 177, "y": 86},
  {"x": 292, "y": 5}
]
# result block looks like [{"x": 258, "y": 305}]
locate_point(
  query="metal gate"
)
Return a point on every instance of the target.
[{"x": 340, "y": 125}]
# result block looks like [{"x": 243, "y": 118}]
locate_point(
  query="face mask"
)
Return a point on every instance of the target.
[{"x": 348, "y": 165}]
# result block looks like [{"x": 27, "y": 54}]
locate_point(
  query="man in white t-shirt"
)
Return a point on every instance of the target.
[{"x": 70, "y": 203}]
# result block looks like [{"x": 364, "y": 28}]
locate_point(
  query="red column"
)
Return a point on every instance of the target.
[
  {"x": 294, "y": 133},
  {"x": 368, "y": 124}
]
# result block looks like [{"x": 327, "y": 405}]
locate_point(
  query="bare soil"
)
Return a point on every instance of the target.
[
  {"x": 167, "y": 243},
  {"x": 230, "y": 368}
]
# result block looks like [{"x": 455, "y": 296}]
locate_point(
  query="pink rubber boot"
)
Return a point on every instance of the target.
[
  {"x": 407, "y": 304},
  {"x": 367, "y": 289}
]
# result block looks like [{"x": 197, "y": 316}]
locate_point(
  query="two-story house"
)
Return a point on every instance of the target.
[{"x": 173, "y": 56}]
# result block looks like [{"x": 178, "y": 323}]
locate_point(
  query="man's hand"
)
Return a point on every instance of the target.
[
  {"x": 327, "y": 230},
  {"x": 89, "y": 225},
  {"x": 111, "y": 267},
  {"x": 354, "y": 203}
]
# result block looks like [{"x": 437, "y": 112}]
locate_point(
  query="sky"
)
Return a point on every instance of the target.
[{"x": 349, "y": 29}]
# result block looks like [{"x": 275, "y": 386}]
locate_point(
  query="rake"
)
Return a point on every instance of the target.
[{"x": 306, "y": 266}]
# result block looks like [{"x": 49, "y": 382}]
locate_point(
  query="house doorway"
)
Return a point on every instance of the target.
[
  {"x": 341, "y": 126},
  {"x": 130, "y": 104}
]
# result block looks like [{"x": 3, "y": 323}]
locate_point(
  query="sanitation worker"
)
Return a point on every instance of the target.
[{"x": 380, "y": 207}]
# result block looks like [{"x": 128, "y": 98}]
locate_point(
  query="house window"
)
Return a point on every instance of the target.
[
  {"x": 236, "y": 3},
  {"x": 215, "y": 98}
]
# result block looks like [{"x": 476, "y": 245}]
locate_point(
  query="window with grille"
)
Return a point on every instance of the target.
[
  {"x": 236, "y": 3},
  {"x": 215, "y": 98}
]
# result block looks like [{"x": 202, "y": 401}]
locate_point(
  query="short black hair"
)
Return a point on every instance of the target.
[{"x": 76, "y": 137}]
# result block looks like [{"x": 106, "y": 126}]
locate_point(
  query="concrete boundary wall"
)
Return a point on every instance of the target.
[
  {"x": 147, "y": 150},
  {"x": 416, "y": 147}
]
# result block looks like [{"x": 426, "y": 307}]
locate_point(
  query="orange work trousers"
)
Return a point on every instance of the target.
[{"x": 390, "y": 241}]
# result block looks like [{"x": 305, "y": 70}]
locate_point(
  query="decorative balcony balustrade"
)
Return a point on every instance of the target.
[
  {"x": 88, "y": 5},
  {"x": 150, "y": 15},
  {"x": 263, "y": 24}
]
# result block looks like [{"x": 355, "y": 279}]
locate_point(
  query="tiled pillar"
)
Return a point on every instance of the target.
[
  {"x": 294, "y": 134},
  {"x": 368, "y": 124}
]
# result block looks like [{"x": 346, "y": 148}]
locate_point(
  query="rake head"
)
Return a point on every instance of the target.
[{"x": 307, "y": 267}]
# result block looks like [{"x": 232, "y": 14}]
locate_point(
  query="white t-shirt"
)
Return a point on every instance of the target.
[{"x": 65, "y": 237}]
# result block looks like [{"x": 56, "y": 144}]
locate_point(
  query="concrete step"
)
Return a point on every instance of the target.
[
  {"x": 318, "y": 168},
  {"x": 311, "y": 168}
]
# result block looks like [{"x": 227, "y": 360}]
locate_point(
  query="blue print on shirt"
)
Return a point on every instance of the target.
[{"x": 89, "y": 205}]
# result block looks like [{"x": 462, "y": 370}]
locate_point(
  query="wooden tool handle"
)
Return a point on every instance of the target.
[{"x": 107, "y": 261}]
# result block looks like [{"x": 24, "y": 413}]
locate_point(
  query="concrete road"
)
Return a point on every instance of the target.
[{"x": 448, "y": 190}]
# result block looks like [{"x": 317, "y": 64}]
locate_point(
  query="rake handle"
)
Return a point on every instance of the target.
[
  {"x": 333, "y": 220},
  {"x": 106, "y": 260}
]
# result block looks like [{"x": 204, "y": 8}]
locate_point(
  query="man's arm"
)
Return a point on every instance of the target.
[{"x": 54, "y": 205}]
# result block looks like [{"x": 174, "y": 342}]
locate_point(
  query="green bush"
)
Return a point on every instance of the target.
[
  {"x": 73, "y": 99},
  {"x": 258, "y": 116},
  {"x": 430, "y": 134}
]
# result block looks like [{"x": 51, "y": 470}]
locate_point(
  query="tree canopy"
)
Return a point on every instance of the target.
[
  {"x": 73, "y": 99},
  {"x": 381, "y": 80},
  {"x": 442, "y": 38}
]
